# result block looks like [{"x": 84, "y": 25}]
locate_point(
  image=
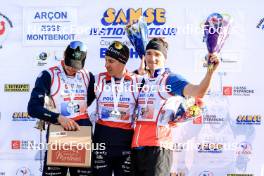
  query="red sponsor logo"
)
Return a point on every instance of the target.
[
  {"x": 15, "y": 144},
  {"x": 227, "y": 90}
]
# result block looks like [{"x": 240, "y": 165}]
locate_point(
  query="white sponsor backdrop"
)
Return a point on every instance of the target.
[{"x": 33, "y": 35}]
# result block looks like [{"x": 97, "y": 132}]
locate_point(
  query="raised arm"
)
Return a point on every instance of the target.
[{"x": 201, "y": 89}]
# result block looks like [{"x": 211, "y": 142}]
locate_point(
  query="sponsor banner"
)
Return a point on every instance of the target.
[
  {"x": 22, "y": 116},
  {"x": 237, "y": 91},
  {"x": 17, "y": 87},
  {"x": 48, "y": 57},
  {"x": 114, "y": 20},
  {"x": 210, "y": 148},
  {"x": 244, "y": 148},
  {"x": 49, "y": 26},
  {"x": 248, "y": 120}
]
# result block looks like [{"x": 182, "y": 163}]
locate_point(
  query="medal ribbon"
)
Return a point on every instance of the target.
[{"x": 116, "y": 93}]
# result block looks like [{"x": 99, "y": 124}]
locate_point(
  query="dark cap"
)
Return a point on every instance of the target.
[
  {"x": 118, "y": 51},
  {"x": 75, "y": 55},
  {"x": 158, "y": 44}
]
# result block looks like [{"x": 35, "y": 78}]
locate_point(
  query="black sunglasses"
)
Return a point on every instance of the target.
[{"x": 75, "y": 44}]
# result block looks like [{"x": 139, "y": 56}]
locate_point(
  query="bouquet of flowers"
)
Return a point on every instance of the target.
[{"x": 190, "y": 109}]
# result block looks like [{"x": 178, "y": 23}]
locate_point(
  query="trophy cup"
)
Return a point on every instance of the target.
[
  {"x": 216, "y": 28},
  {"x": 137, "y": 33}
]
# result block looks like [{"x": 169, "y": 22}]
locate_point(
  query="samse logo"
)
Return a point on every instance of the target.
[{"x": 121, "y": 17}]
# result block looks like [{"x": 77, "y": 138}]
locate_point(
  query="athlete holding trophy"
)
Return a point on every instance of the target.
[{"x": 158, "y": 108}]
